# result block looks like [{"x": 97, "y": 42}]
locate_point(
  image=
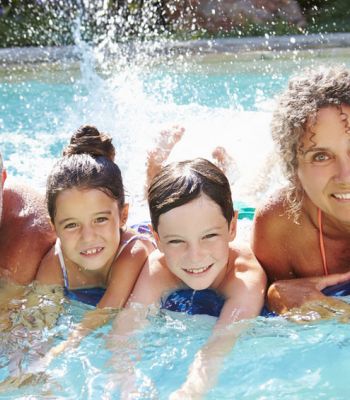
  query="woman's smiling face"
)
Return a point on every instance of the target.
[
  {"x": 324, "y": 163},
  {"x": 195, "y": 240}
]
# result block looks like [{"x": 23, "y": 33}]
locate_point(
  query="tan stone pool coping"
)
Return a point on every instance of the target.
[{"x": 222, "y": 45}]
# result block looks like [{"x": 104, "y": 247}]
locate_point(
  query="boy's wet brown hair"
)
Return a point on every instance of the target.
[{"x": 179, "y": 183}]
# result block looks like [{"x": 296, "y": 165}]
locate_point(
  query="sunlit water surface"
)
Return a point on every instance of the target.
[{"x": 220, "y": 99}]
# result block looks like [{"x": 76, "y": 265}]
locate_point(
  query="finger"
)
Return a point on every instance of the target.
[{"x": 332, "y": 279}]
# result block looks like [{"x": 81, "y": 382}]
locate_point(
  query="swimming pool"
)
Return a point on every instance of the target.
[{"x": 221, "y": 99}]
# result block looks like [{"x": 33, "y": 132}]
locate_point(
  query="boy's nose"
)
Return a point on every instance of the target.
[{"x": 195, "y": 253}]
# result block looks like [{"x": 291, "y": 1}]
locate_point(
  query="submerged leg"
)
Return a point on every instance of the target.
[
  {"x": 156, "y": 157},
  {"x": 226, "y": 163}
]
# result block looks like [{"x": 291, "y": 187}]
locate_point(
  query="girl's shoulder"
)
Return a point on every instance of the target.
[{"x": 49, "y": 271}]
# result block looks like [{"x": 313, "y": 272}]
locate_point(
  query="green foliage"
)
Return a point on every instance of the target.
[
  {"x": 52, "y": 22},
  {"x": 327, "y": 16},
  {"x": 31, "y": 24}
]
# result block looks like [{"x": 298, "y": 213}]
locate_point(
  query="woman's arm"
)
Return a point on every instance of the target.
[{"x": 301, "y": 299}]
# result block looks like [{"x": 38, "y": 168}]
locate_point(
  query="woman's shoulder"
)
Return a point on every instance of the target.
[
  {"x": 275, "y": 206},
  {"x": 273, "y": 219}
]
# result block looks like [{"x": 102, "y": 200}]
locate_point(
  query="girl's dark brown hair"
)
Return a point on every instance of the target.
[{"x": 87, "y": 163}]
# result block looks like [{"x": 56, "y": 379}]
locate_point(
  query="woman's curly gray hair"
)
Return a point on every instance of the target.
[{"x": 297, "y": 109}]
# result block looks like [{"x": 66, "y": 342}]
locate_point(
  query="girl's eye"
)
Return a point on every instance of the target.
[
  {"x": 71, "y": 225},
  {"x": 175, "y": 241}
]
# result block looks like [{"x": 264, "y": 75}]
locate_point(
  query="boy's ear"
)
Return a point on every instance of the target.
[
  {"x": 124, "y": 214},
  {"x": 233, "y": 226},
  {"x": 3, "y": 177},
  {"x": 156, "y": 237}
]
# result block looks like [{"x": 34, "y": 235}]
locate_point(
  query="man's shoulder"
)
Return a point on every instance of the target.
[
  {"x": 23, "y": 204},
  {"x": 25, "y": 220}
]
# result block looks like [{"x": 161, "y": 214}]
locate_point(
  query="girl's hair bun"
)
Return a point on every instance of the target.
[{"x": 88, "y": 140}]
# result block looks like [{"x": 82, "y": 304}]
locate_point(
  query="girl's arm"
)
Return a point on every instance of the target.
[
  {"x": 124, "y": 273},
  {"x": 154, "y": 280},
  {"x": 244, "y": 292}
]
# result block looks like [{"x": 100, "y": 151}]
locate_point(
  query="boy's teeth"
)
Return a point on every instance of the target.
[{"x": 197, "y": 270}]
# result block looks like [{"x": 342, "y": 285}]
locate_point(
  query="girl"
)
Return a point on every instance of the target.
[
  {"x": 193, "y": 222},
  {"x": 96, "y": 258}
]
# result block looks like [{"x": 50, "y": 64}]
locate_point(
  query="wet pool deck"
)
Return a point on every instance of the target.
[{"x": 224, "y": 45}]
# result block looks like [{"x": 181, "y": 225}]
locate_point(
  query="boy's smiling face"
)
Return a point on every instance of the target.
[{"x": 195, "y": 240}]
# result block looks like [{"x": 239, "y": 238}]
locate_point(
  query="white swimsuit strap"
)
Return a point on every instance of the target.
[{"x": 58, "y": 252}]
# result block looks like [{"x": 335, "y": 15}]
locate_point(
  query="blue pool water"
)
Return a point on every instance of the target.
[{"x": 220, "y": 99}]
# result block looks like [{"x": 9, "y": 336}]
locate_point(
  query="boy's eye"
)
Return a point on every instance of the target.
[
  {"x": 101, "y": 219},
  {"x": 210, "y": 235}
]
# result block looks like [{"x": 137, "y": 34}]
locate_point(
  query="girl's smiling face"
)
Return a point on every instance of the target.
[
  {"x": 195, "y": 240},
  {"x": 324, "y": 163},
  {"x": 88, "y": 222}
]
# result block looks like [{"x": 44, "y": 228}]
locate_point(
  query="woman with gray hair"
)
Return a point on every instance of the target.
[{"x": 303, "y": 231}]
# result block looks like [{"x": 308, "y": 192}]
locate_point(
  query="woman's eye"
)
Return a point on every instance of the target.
[{"x": 320, "y": 157}]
